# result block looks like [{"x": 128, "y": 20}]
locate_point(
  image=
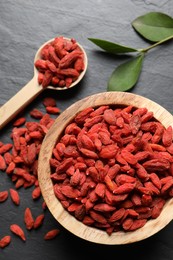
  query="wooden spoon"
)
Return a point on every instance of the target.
[{"x": 30, "y": 91}]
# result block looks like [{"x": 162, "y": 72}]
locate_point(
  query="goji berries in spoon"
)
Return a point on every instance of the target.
[{"x": 60, "y": 64}]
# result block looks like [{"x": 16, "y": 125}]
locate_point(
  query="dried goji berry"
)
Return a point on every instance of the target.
[
  {"x": 89, "y": 153},
  {"x": 127, "y": 223},
  {"x": 79, "y": 64},
  {"x": 36, "y": 193},
  {"x": 88, "y": 220},
  {"x": 16, "y": 229},
  {"x": 129, "y": 157},
  {"x": 19, "y": 183},
  {"x": 98, "y": 217},
  {"x": 80, "y": 212},
  {"x": 155, "y": 180},
  {"x": 84, "y": 114},
  {"x": 117, "y": 215},
  {"x": 15, "y": 196},
  {"x": 5, "y": 241},
  {"x": 38, "y": 221},
  {"x": 3, "y": 195},
  {"x": 2, "y": 163},
  {"x": 41, "y": 65},
  {"x": 68, "y": 59},
  {"x": 49, "y": 102},
  {"x": 51, "y": 234},
  {"x": 20, "y": 121},
  {"x": 103, "y": 207},
  {"x": 28, "y": 219},
  {"x": 35, "y": 113},
  {"x": 109, "y": 117},
  {"x": 167, "y": 136},
  {"x": 100, "y": 189},
  {"x": 52, "y": 110},
  {"x": 156, "y": 210},
  {"x": 137, "y": 223},
  {"x": 108, "y": 151},
  {"x": 124, "y": 188},
  {"x": 47, "y": 78},
  {"x": 69, "y": 192},
  {"x": 156, "y": 165}
]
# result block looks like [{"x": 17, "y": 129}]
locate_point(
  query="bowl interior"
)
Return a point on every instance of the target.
[{"x": 46, "y": 185}]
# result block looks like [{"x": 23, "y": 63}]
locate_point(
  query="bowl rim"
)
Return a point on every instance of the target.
[{"x": 60, "y": 214}]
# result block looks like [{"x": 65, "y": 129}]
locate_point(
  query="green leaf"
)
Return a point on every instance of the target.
[
  {"x": 126, "y": 75},
  {"x": 112, "y": 47},
  {"x": 154, "y": 26}
]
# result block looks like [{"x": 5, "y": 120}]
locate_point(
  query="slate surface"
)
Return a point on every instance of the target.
[{"x": 24, "y": 26}]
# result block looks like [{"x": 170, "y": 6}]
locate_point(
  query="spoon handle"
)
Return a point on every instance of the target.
[{"x": 19, "y": 101}]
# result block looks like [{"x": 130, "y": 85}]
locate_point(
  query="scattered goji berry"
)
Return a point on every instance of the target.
[
  {"x": 3, "y": 195},
  {"x": 52, "y": 110},
  {"x": 16, "y": 229},
  {"x": 2, "y": 163},
  {"x": 36, "y": 193},
  {"x": 109, "y": 172},
  {"x": 49, "y": 102},
  {"x": 51, "y": 234},
  {"x": 35, "y": 113},
  {"x": 38, "y": 221},
  {"x": 28, "y": 219},
  {"x": 15, "y": 196},
  {"x": 19, "y": 160},
  {"x": 5, "y": 148},
  {"x": 5, "y": 241},
  {"x": 20, "y": 121}
]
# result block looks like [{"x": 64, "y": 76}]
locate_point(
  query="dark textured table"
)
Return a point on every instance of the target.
[{"x": 24, "y": 26}]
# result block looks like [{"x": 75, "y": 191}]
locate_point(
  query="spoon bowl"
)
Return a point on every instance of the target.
[
  {"x": 38, "y": 56},
  {"x": 32, "y": 89}
]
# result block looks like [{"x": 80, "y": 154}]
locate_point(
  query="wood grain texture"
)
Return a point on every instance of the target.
[
  {"x": 19, "y": 101},
  {"x": 61, "y": 215}
]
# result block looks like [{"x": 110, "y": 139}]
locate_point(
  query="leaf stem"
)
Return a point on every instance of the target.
[{"x": 156, "y": 44}]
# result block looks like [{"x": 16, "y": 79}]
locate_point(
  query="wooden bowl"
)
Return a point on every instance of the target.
[{"x": 46, "y": 185}]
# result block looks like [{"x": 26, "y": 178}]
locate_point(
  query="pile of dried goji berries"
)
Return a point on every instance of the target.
[
  {"x": 19, "y": 160},
  {"x": 113, "y": 167},
  {"x": 60, "y": 64}
]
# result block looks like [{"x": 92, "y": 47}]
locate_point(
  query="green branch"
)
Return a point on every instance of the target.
[{"x": 156, "y": 44}]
